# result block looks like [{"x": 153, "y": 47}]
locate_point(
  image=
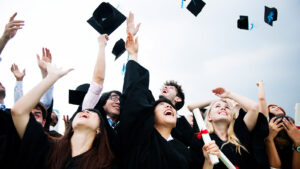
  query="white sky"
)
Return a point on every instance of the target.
[{"x": 201, "y": 52}]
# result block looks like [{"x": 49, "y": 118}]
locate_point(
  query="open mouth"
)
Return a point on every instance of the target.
[
  {"x": 169, "y": 113},
  {"x": 84, "y": 116}
]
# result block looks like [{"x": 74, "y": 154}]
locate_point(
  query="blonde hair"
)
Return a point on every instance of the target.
[{"x": 231, "y": 137}]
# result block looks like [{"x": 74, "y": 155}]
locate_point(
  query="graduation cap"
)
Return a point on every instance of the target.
[
  {"x": 119, "y": 48},
  {"x": 195, "y": 6},
  {"x": 106, "y": 18},
  {"x": 242, "y": 23},
  {"x": 270, "y": 15},
  {"x": 76, "y": 96}
]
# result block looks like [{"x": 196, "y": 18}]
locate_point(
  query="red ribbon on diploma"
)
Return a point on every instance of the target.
[
  {"x": 298, "y": 127},
  {"x": 198, "y": 135}
]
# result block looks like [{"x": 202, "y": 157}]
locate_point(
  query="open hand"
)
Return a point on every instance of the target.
[
  {"x": 130, "y": 25},
  {"x": 221, "y": 92},
  {"x": 15, "y": 70},
  {"x": 132, "y": 45},
  {"x": 12, "y": 27}
]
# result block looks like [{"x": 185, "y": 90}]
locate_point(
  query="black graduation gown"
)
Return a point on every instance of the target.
[
  {"x": 141, "y": 145},
  {"x": 9, "y": 141}
]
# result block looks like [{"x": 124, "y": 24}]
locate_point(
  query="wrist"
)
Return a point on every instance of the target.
[
  {"x": 19, "y": 79},
  {"x": 4, "y": 38}
]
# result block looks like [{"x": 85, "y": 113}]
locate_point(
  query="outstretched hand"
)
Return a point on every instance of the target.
[
  {"x": 131, "y": 26},
  {"x": 132, "y": 45},
  {"x": 55, "y": 71},
  {"x": 221, "y": 92},
  {"x": 46, "y": 58},
  {"x": 15, "y": 70},
  {"x": 12, "y": 27}
]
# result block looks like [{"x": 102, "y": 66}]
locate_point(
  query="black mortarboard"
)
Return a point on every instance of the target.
[
  {"x": 106, "y": 18},
  {"x": 119, "y": 48},
  {"x": 270, "y": 15},
  {"x": 195, "y": 6},
  {"x": 242, "y": 23},
  {"x": 76, "y": 96}
]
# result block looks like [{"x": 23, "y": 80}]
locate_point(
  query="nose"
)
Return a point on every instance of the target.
[{"x": 222, "y": 108}]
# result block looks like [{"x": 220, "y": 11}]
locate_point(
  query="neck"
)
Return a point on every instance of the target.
[
  {"x": 1, "y": 101},
  {"x": 82, "y": 141},
  {"x": 164, "y": 131},
  {"x": 221, "y": 129}
]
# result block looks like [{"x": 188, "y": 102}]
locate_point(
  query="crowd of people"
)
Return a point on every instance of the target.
[{"x": 130, "y": 129}]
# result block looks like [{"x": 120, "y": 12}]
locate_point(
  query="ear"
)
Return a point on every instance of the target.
[
  {"x": 208, "y": 118},
  {"x": 43, "y": 123},
  {"x": 177, "y": 99}
]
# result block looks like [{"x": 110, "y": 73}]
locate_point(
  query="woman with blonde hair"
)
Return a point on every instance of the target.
[{"x": 229, "y": 128}]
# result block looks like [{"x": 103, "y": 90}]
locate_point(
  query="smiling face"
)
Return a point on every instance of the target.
[
  {"x": 86, "y": 119},
  {"x": 169, "y": 92},
  {"x": 112, "y": 106},
  {"x": 276, "y": 110},
  {"x": 220, "y": 111},
  {"x": 165, "y": 115}
]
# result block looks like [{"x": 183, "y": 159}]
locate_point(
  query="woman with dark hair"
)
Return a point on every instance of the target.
[
  {"x": 283, "y": 141},
  {"x": 85, "y": 144}
]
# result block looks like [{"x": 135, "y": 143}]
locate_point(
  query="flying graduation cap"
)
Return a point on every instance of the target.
[
  {"x": 195, "y": 6},
  {"x": 270, "y": 15},
  {"x": 243, "y": 23},
  {"x": 106, "y": 18},
  {"x": 119, "y": 48}
]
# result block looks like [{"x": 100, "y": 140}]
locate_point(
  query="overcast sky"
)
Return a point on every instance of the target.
[{"x": 201, "y": 53}]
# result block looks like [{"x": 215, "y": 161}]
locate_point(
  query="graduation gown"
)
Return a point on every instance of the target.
[{"x": 141, "y": 145}]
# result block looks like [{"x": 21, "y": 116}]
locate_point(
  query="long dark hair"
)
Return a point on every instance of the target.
[{"x": 99, "y": 156}]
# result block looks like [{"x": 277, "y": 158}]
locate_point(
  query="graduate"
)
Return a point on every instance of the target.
[{"x": 85, "y": 144}]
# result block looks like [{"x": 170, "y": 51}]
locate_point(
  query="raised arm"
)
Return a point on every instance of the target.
[
  {"x": 200, "y": 104},
  {"x": 10, "y": 31},
  {"x": 93, "y": 95},
  {"x": 131, "y": 44},
  {"x": 18, "y": 91},
  {"x": 22, "y": 108},
  {"x": 262, "y": 99},
  {"x": 248, "y": 104},
  {"x": 46, "y": 58}
]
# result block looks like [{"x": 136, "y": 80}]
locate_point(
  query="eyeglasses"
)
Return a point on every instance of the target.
[{"x": 114, "y": 98}]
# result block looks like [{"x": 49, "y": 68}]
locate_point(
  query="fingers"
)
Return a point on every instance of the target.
[
  {"x": 24, "y": 72},
  {"x": 13, "y": 17},
  {"x": 67, "y": 71},
  {"x": 106, "y": 37}
]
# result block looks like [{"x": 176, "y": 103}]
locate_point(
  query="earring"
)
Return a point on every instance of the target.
[{"x": 97, "y": 131}]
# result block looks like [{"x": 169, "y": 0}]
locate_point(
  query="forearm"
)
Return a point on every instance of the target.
[
  {"x": 99, "y": 70},
  {"x": 200, "y": 104},
  {"x": 133, "y": 57},
  {"x": 92, "y": 97},
  {"x": 296, "y": 161},
  {"x": 18, "y": 90},
  {"x": 251, "y": 108},
  {"x": 262, "y": 100},
  {"x": 207, "y": 165},
  {"x": 272, "y": 153},
  {"x": 3, "y": 42}
]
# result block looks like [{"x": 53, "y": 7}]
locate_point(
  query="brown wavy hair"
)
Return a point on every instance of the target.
[{"x": 99, "y": 156}]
